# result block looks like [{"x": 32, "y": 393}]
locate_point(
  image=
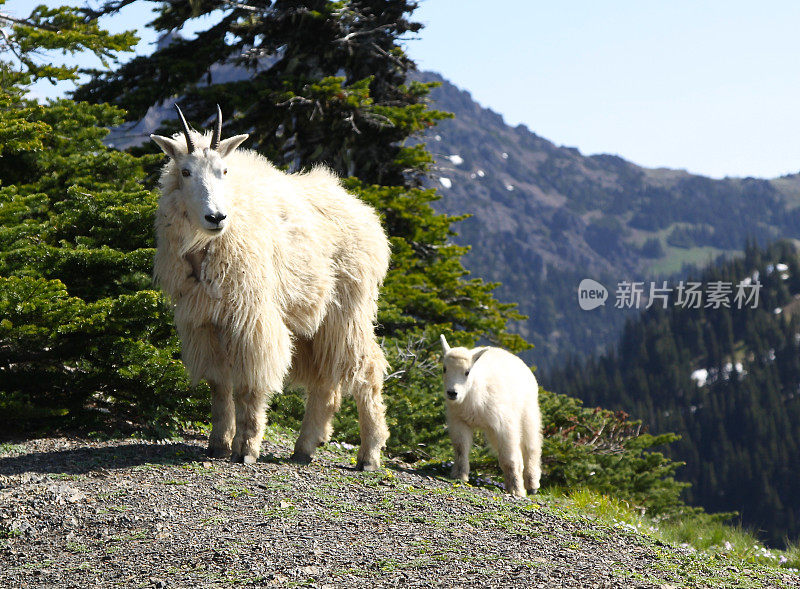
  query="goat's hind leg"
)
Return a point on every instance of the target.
[
  {"x": 250, "y": 422},
  {"x": 367, "y": 392},
  {"x": 509, "y": 452},
  {"x": 323, "y": 399},
  {"x": 346, "y": 353},
  {"x": 532, "y": 450},
  {"x": 322, "y": 404}
]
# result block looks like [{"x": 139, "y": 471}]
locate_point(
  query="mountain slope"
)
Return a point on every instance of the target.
[{"x": 545, "y": 216}]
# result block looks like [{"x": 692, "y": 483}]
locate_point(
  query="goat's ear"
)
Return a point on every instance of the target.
[
  {"x": 478, "y": 353},
  {"x": 445, "y": 345},
  {"x": 226, "y": 146},
  {"x": 169, "y": 146}
]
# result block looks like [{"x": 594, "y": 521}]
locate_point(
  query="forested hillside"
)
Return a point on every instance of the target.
[{"x": 726, "y": 379}]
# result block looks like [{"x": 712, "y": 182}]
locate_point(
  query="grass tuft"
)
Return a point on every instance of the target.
[{"x": 700, "y": 532}]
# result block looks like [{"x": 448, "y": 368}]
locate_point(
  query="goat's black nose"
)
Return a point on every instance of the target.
[
  {"x": 215, "y": 219},
  {"x": 452, "y": 394}
]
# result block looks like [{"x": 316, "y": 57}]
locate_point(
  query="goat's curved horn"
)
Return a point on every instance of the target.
[
  {"x": 185, "y": 126},
  {"x": 217, "y": 130}
]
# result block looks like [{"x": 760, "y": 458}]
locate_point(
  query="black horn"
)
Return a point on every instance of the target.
[
  {"x": 185, "y": 126},
  {"x": 217, "y": 130}
]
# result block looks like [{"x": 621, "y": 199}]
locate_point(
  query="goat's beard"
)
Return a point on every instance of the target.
[{"x": 196, "y": 241}]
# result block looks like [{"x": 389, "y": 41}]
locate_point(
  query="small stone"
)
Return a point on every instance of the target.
[
  {"x": 23, "y": 528},
  {"x": 65, "y": 493}
]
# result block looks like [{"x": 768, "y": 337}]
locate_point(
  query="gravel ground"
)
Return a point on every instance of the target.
[{"x": 132, "y": 513}]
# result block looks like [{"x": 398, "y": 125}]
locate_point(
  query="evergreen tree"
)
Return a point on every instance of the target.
[
  {"x": 80, "y": 328},
  {"x": 326, "y": 81}
]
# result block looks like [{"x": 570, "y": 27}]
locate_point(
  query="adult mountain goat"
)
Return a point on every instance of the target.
[
  {"x": 272, "y": 276},
  {"x": 492, "y": 390}
]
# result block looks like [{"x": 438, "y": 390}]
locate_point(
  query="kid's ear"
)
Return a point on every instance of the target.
[
  {"x": 226, "y": 146},
  {"x": 478, "y": 353},
  {"x": 445, "y": 345},
  {"x": 167, "y": 145}
]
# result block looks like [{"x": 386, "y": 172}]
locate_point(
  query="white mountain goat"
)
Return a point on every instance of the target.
[
  {"x": 492, "y": 390},
  {"x": 273, "y": 276}
]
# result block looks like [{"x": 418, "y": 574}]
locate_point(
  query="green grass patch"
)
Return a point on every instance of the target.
[
  {"x": 77, "y": 548},
  {"x": 111, "y": 495},
  {"x": 236, "y": 492},
  {"x": 696, "y": 532},
  {"x": 676, "y": 257},
  {"x": 7, "y": 450}
]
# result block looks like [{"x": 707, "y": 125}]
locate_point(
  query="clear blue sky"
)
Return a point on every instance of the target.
[{"x": 709, "y": 86}]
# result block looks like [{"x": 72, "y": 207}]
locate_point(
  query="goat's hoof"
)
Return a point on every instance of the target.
[
  {"x": 368, "y": 465},
  {"x": 300, "y": 457},
  {"x": 464, "y": 478},
  {"x": 244, "y": 458},
  {"x": 218, "y": 452}
]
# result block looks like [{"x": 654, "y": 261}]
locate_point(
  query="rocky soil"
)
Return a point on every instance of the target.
[{"x": 133, "y": 513}]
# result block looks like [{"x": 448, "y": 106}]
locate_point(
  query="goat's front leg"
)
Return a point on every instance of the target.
[
  {"x": 263, "y": 362},
  {"x": 461, "y": 436},
  {"x": 222, "y": 420}
]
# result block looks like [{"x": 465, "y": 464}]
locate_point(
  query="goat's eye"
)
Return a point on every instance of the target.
[
  {"x": 185, "y": 173},
  {"x": 466, "y": 373},
  {"x": 225, "y": 171}
]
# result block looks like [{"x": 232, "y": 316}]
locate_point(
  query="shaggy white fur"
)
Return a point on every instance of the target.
[
  {"x": 492, "y": 390},
  {"x": 272, "y": 276}
]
